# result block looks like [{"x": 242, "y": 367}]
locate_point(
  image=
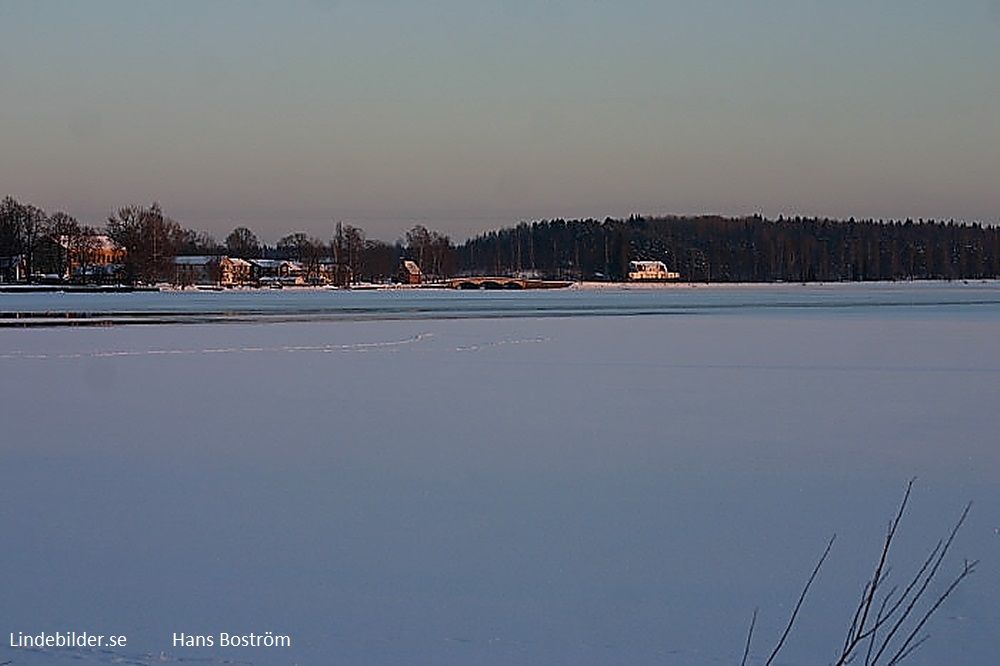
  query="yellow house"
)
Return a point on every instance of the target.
[
  {"x": 234, "y": 271},
  {"x": 91, "y": 255}
]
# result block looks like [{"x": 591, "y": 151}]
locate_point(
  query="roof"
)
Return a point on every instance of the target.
[
  {"x": 99, "y": 242},
  {"x": 411, "y": 267},
  {"x": 195, "y": 260},
  {"x": 267, "y": 263}
]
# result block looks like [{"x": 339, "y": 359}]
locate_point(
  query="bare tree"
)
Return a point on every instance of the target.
[
  {"x": 242, "y": 243},
  {"x": 21, "y": 228},
  {"x": 305, "y": 250},
  {"x": 348, "y": 248},
  {"x": 379, "y": 260},
  {"x": 888, "y": 624},
  {"x": 149, "y": 240},
  {"x": 189, "y": 241},
  {"x": 63, "y": 229},
  {"x": 418, "y": 245},
  {"x": 10, "y": 227},
  {"x": 61, "y": 223},
  {"x": 294, "y": 246},
  {"x": 81, "y": 250},
  {"x": 312, "y": 254},
  {"x": 433, "y": 251},
  {"x": 33, "y": 224}
]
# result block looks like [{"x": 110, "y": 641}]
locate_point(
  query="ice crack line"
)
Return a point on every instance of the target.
[
  {"x": 497, "y": 343},
  {"x": 355, "y": 347}
]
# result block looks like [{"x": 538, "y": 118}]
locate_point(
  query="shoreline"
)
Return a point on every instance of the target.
[{"x": 569, "y": 286}]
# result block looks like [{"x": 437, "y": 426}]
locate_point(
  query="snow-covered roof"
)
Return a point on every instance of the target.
[
  {"x": 195, "y": 260},
  {"x": 97, "y": 242},
  {"x": 267, "y": 263}
]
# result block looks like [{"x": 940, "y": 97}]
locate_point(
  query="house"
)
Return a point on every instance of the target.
[
  {"x": 650, "y": 271},
  {"x": 292, "y": 273},
  {"x": 81, "y": 258},
  {"x": 210, "y": 270},
  {"x": 276, "y": 272},
  {"x": 234, "y": 272},
  {"x": 409, "y": 273},
  {"x": 97, "y": 250},
  {"x": 200, "y": 269},
  {"x": 336, "y": 273},
  {"x": 264, "y": 270},
  {"x": 93, "y": 258},
  {"x": 99, "y": 274}
]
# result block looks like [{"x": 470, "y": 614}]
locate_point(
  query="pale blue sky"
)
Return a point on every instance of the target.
[{"x": 468, "y": 116}]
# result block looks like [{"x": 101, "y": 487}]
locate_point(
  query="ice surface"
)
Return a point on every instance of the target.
[{"x": 534, "y": 490}]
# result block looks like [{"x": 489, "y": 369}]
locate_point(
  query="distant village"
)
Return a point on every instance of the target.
[
  {"x": 141, "y": 247},
  {"x": 103, "y": 261}
]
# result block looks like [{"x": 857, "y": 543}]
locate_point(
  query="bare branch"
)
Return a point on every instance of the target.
[
  {"x": 798, "y": 604},
  {"x": 942, "y": 550},
  {"x": 880, "y": 618},
  {"x": 892, "y": 611},
  {"x": 746, "y": 649},
  {"x": 906, "y": 596},
  {"x": 906, "y": 648},
  {"x": 855, "y": 620},
  {"x": 912, "y": 648},
  {"x": 877, "y": 577}
]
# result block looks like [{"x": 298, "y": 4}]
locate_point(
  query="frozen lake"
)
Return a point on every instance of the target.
[
  {"x": 54, "y": 309},
  {"x": 592, "y": 477}
]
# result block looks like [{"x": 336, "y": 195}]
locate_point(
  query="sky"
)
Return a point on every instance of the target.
[{"x": 470, "y": 116}]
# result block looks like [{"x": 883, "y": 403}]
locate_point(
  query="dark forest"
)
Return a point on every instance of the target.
[{"x": 750, "y": 249}]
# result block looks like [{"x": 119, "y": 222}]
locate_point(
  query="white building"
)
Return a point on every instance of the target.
[{"x": 650, "y": 271}]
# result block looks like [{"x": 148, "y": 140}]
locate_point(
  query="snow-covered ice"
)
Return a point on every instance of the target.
[{"x": 623, "y": 488}]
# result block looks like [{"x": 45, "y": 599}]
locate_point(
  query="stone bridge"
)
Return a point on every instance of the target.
[{"x": 494, "y": 282}]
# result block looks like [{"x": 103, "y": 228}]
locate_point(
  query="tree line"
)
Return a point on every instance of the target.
[
  {"x": 49, "y": 245},
  {"x": 700, "y": 248},
  {"x": 746, "y": 249}
]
